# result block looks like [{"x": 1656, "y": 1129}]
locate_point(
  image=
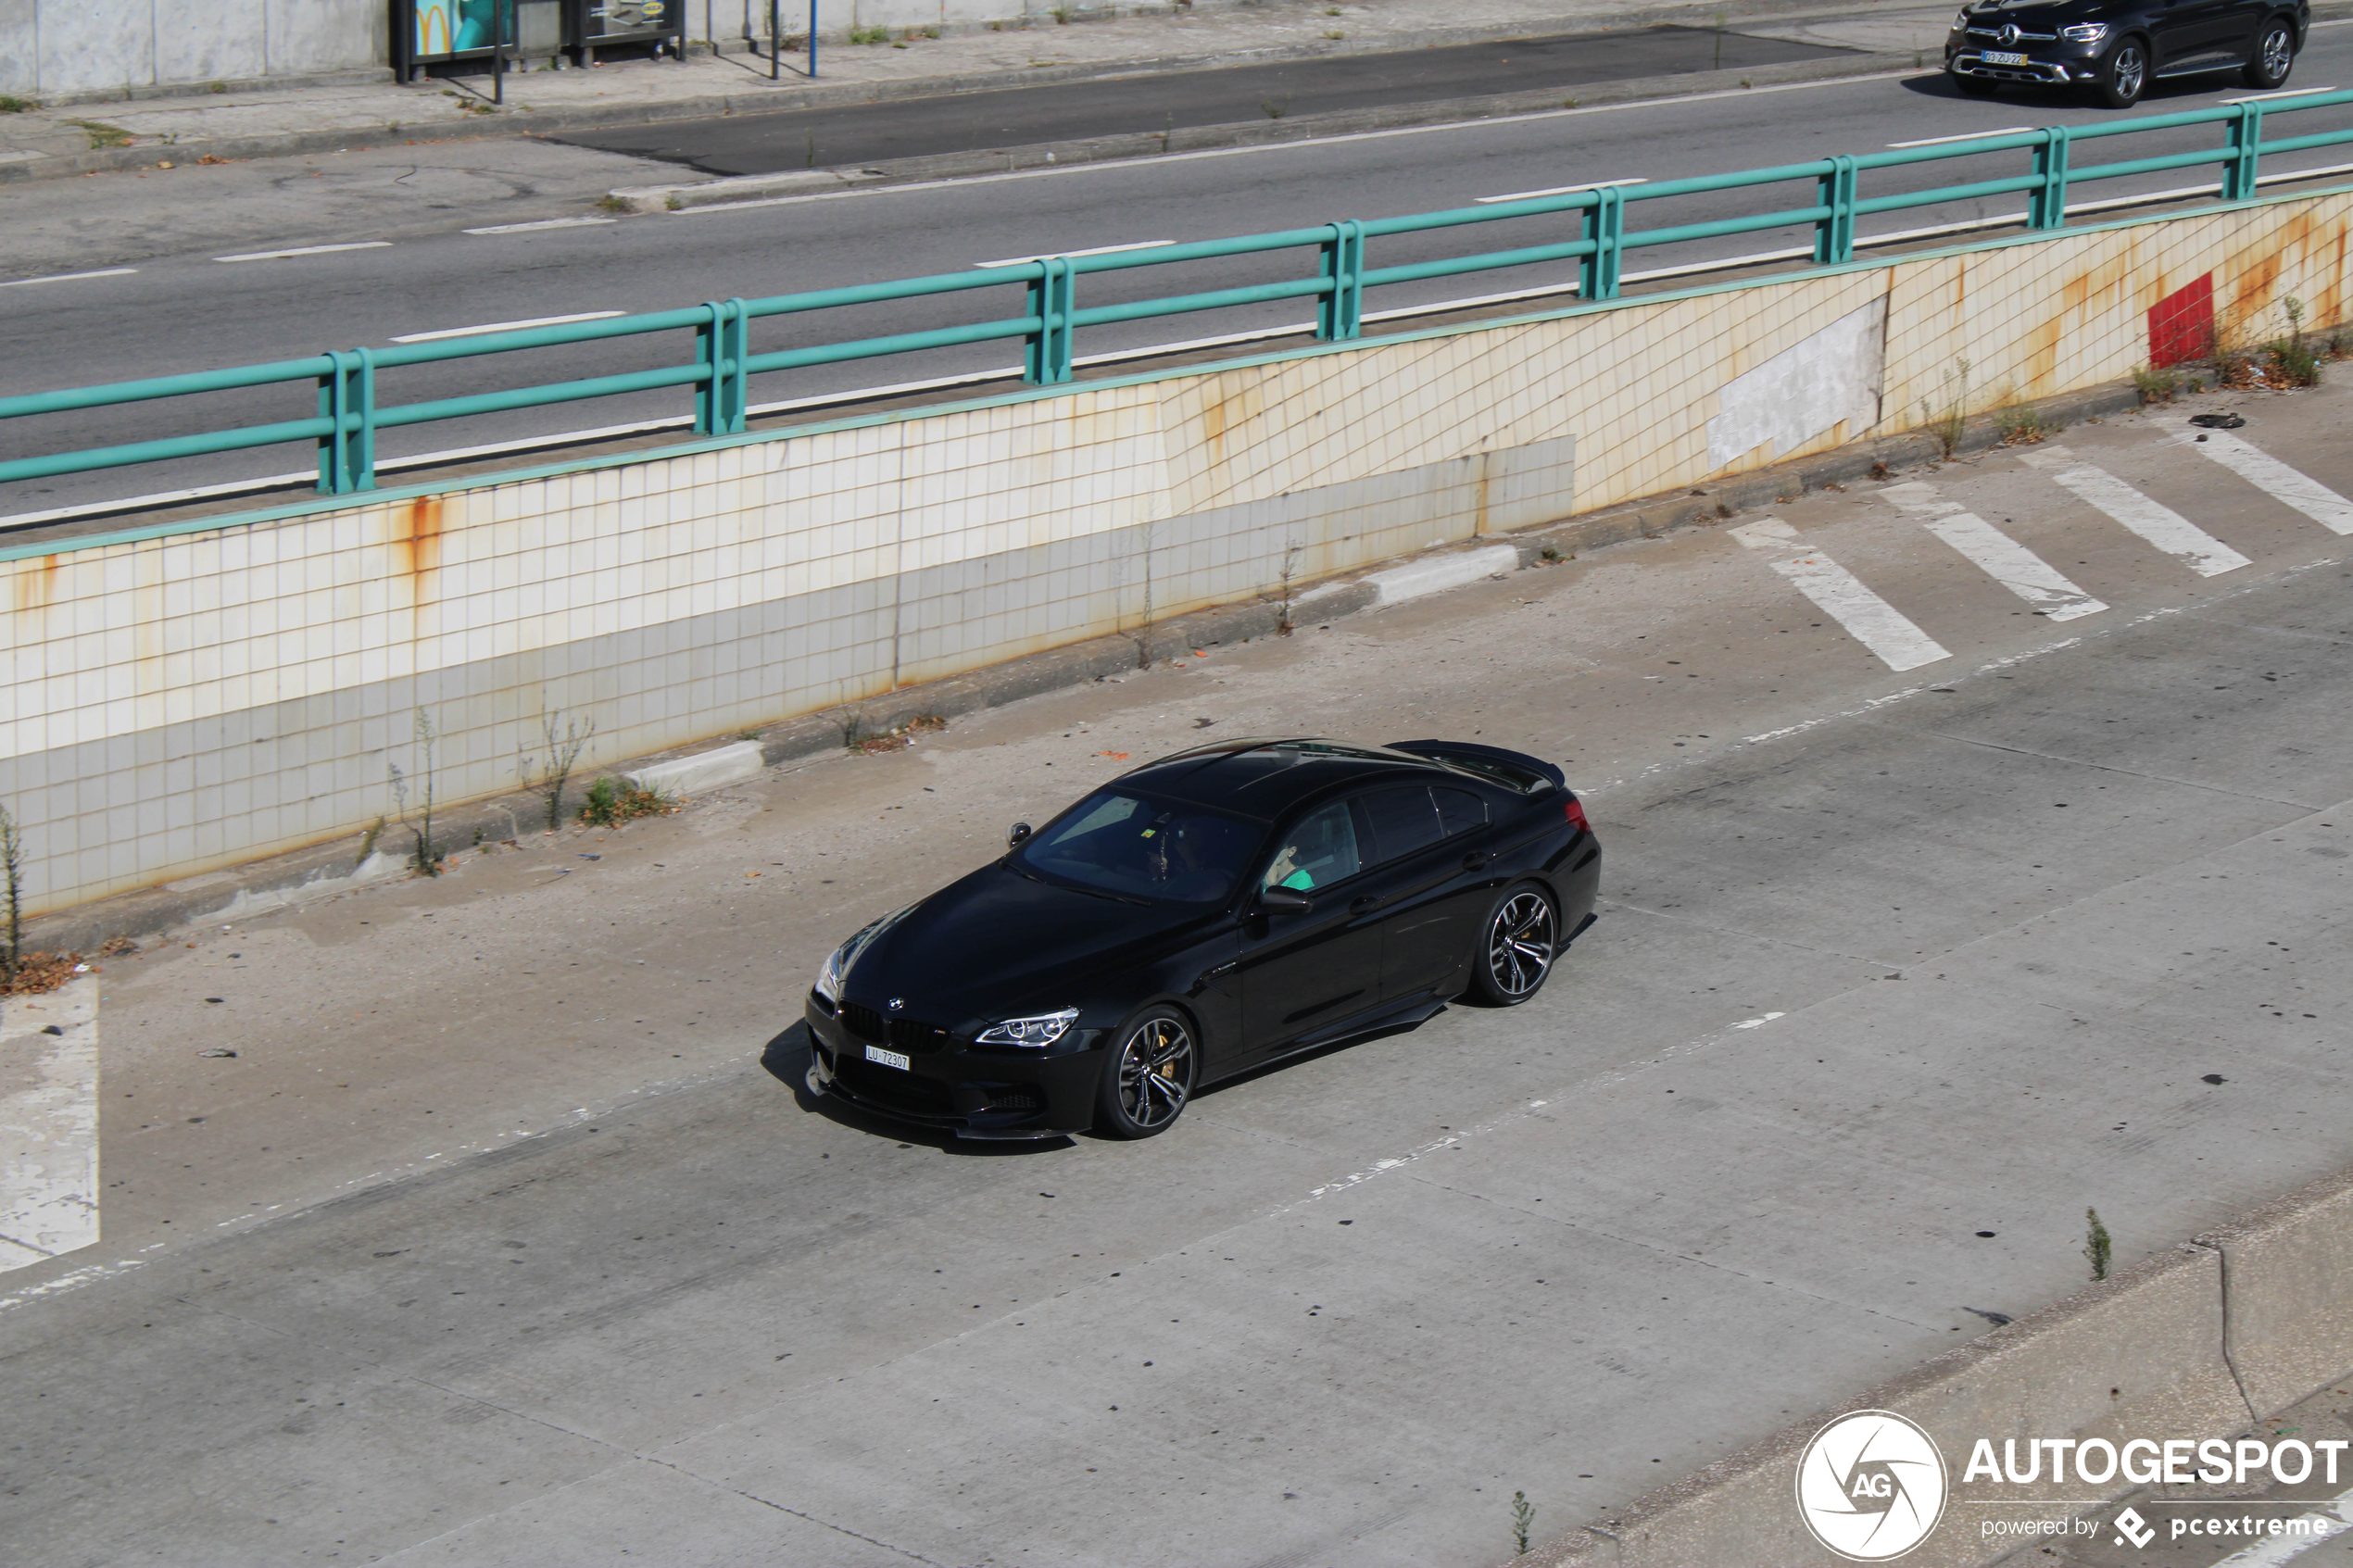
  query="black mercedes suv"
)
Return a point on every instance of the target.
[{"x": 2114, "y": 48}]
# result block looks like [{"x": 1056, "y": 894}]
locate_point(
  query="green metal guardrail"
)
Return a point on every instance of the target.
[{"x": 349, "y": 416}]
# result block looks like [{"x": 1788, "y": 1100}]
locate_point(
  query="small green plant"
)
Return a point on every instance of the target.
[
  {"x": 1272, "y": 109},
  {"x": 932, "y": 32},
  {"x": 217, "y": 87},
  {"x": 563, "y": 749},
  {"x": 1523, "y": 1515},
  {"x": 2021, "y": 423},
  {"x": 422, "y": 855},
  {"x": 671, "y": 204},
  {"x": 870, "y": 35},
  {"x": 611, "y": 803},
  {"x": 9, "y": 103},
  {"x": 1061, "y": 16},
  {"x": 1284, "y": 578},
  {"x": 1948, "y": 425},
  {"x": 12, "y": 869},
  {"x": 101, "y": 135},
  {"x": 610, "y": 203},
  {"x": 2157, "y": 384},
  {"x": 2095, "y": 1243},
  {"x": 2293, "y": 361}
]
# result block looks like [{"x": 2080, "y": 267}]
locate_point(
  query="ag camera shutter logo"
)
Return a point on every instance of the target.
[{"x": 1871, "y": 1486}]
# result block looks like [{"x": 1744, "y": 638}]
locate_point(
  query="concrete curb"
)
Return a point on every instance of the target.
[
  {"x": 315, "y": 870},
  {"x": 1247, "y": 133},
  {"x": 2198, "y": 1342}
]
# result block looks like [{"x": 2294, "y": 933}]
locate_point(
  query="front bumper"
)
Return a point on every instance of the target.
[
  {"x": 2049, "y": 65},
  {"x": 971, "y": 1091}
]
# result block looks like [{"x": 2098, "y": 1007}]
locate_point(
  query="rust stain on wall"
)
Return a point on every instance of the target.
[
  {"x": 37, "y": 583},
  {"x": 415, "y": 537}
]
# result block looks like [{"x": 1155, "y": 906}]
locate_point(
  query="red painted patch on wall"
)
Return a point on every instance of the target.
[{"x": 2182, "y": 324}]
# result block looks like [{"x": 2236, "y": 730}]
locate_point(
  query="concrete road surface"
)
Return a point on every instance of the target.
[{"x": 507, "y": 1236}]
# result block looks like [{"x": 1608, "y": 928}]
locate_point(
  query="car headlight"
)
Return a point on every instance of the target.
[
  {"x": 1042, "y": 1029},
  {"x": 829, "y": 977},
  {"x": 2084, "y": 32},
  {"x": 1960, "y": 21}
]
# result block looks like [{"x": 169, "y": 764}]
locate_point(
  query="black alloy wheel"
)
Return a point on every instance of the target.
[
  {"x": 1976, "y": 86},
  {"x": 2124, "y": 75},
  {"x": 2274, "y": 55},
  {"x": 1147, "y": 1083},
  {"x": 1521, "y": 939}
]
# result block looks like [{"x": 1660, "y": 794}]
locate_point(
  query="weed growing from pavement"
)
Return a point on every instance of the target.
[
  {"x": 612, "y": 802},
  {"x": 870, "y": 35},
  {"x": 101, "y": 135},
  {"x": 1285, "y": 577},
  {"x": 1947, "y": 426},
  {"x": 1523, "y": 1515},
  {"x": 12, "y": 868},
  {"x": 898, "y": 738},
  {"x": 9, "y": 103},
  {"x": 2157, "y": 384},
  {"x": 563, "y": 749},
  {"x": 2097, "y": 1247},
  {"x": 424, "y": 857},
  {"x": 2021, "y": 423}
]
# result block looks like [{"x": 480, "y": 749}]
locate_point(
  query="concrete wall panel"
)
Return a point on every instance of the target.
[
  {"x": 214, "y": 43},
  {"x": 172, "y": 704}
]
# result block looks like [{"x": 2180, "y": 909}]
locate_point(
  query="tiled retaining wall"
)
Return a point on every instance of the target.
[{"x": 209, "y": 694}]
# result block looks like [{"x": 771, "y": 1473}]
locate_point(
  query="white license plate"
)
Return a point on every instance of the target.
[
  {"x": 1994, "y": 57},
  {"x": 889, "y": 1059}
]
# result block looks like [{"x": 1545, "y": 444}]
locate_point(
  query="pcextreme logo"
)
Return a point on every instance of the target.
[{"x": 1871, "y": 1486}]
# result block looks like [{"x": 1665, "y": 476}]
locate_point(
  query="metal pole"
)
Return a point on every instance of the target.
[
  {"x": 775, "y": 44},
  {"x": 813, "y": 40},
  {"x": 498, "y": 51}
]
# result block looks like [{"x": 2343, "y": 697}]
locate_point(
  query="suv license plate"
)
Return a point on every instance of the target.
[
  {"x": 1994, "y": 57},
  {"x": 889, "y": 1059}
]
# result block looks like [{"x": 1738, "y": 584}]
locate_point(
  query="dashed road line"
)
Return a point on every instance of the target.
[
  {"x": 2000, "y": 556},
  {"x": 2271, "y": 476},
  {"x": 1868, "y": 618},
  {"x": 508, "y": 326},
  {"x": 70, "y": 277},
  {"x": 543, "y": 223},
  {"x": 303, "y": 250},
  {"x": 2160, "y": 525},
  {"x": 49, "y": 1126}
]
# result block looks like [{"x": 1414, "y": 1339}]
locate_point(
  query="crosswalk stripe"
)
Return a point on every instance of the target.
[
  {"x": 1868, "y": 618},
  {"x": 2273, "y": 477},
  {"x": 1996, "y": 553},
  {"x": 2160, "y": 525}
]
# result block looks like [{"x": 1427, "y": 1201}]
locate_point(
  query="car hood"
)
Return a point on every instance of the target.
[
  {"x": 2041, "y": 15},
  {"x": 998, "y": 944}
]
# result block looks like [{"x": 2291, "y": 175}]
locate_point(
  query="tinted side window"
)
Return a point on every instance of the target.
[
  {"x": 1320, "y": 851},
  {"x": 1403, "y": 821},
  {"x": 1459, "y": 811}
]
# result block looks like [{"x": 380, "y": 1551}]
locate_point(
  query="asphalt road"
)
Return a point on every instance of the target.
[
  {"x": 99, "y": 329},
  {"x": 1896, "y": 975},
  {"x": 1117, "y": 103}
]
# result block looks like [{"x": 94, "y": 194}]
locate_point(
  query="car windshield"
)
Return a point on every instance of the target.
[{"x": 1137, "y": 848}]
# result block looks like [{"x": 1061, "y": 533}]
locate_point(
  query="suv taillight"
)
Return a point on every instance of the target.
[{"x": 1576, "y": 813}]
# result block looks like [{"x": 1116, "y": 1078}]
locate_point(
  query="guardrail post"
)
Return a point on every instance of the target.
[
  {"x": 1834, "y": 236},
  {"x": 1339, "y": 312},
  {"x": 347, "y": 402},
  {"x": 2046, "y": 208},
  {"x": 722, "y": 345},
  {"x": 1606, "y": 226},
  {"x": 1048, "y": 357},
  {"x": 2247, "y": 142}
]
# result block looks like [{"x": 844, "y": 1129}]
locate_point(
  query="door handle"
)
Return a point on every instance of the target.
[
  {"x": 1360, "y": 904},
  {"x": 1474, "y": 859}
]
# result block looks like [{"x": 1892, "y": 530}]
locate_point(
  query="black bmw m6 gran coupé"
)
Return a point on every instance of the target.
[{"x": 1200, "y": 916}]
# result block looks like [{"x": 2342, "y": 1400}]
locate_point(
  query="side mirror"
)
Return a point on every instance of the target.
[
  {"x": 1283, "y": 901},
  {"x": 1019, "y": 836}
]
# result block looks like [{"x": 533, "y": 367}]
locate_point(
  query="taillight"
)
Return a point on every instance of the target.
[{"x": 1576, "y": 813}]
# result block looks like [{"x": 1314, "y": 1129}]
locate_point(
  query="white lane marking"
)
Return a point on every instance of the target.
[
  {"x": 303, "y": 250},
  {"x": 1868, "y": 618},
  {"x": 70, "y": 277},
  {"x": 1964, "y": 136},
  {"x": 1164, "y": 159},
  {"x": 2000, "y": 556},
  {"x": 508, "y": 326},
  {"x": 2331, "y": 1519},
  {"x": 2283, "y": 93},
  {"x": 1556, "y": 190},
  {"x": 543, "y": 223},
  {"x": 49, "y": 1124},
  {"x": 2160, "y": 525},
  {"x": 1098, "y": 250},
  {"x": 2271, "y": 476}
]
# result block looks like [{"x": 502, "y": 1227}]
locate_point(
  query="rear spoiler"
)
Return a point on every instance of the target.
[{"x": 1441, "y": 750}]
